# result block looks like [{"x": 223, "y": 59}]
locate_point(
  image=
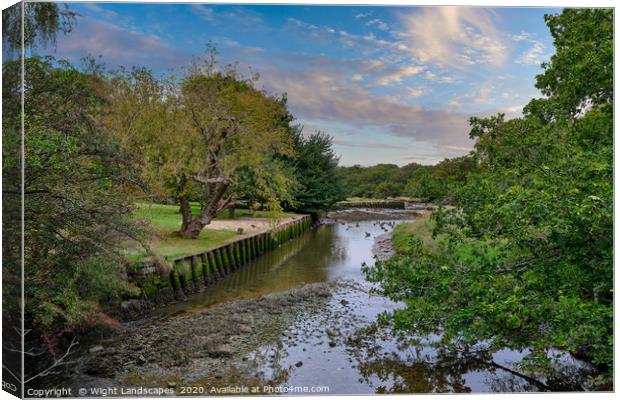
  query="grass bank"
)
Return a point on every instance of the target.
[
  {"x": 422, "y": 227},
  {"x": 166, "y": 221}
]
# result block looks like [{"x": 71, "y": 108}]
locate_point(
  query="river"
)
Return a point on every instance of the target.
[{"x": 297, "y": 319}]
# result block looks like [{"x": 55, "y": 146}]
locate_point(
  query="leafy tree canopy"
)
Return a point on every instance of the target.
[
  {"x": 527, "y": 259},
  {"x": 199, "y": 135},
  {"x": 318, "y": 186},
  {"x": 42, "y": 21},
  {"x": 76, "y": 205}
]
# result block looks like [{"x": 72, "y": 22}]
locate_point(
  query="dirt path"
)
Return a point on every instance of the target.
[{"x": 249, "y": 225}]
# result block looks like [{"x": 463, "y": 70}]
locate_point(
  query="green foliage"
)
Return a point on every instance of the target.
[
  {"x": 434, "y": 183},
  {"x": 76, "y": 208},
  {"x": 266, "y": 187},
  {"x": 440, "y": 182},
  {"x": 203, "y": 137},
  {"x": 527, "y": 257},
  {"x": 422, "y": 228},
  {"x": 378, "y": 182},
  {"x": 42, "y": 21},
  {"x": 318, "y": 186},
  {"x": 423, "y": 186},
  {"x": 580, "y": 73}
]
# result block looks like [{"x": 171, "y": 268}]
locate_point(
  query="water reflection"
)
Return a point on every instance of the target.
[
  {"x": 334, "y": 342},
  {"x": 326, "y": 253}
]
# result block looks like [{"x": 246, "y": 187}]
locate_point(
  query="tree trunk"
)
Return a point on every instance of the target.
[
  {"x": 212, "y": 206},
  {"x": 186, "y": 212}
]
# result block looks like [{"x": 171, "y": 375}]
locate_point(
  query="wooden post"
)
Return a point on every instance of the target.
[
  {"x": 215, "y": 271},
  {"x": 231, "y": 257},
  {"x": 225, "y": 260},
  {"x": 204, "y": 262}
]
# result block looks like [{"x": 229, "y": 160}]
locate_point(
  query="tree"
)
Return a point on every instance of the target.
[
  {"x": 439, "y": 183},
  {"x": 580, "y": 73},
  {"x": 377, "y": 181},
  {"x": 266, "y": 187},
  {"x": 76, "y": 207},
  {"x": 42, "y": 21},
  {"x": 423, "y": 186},
  {"x": 314, "y": 165},
  {"x": 196, "y": 134},
  {"x": 527, "y": 260}
]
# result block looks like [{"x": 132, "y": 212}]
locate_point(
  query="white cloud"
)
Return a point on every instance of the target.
[
  {"x": 521, "y": 36},
  {"x": 455, "y": 36},
  {"x": 252, "y": 21},
  {"x": 513, "y": 111},
  {"x": 534, "y": 55},
  {"x": 230, "y": 42},
  {"x": 415, "y": 92},
  {"x": 205, "y": 12},
  {"x": 363, "y": 15},
  {"x": 378, "y": 23},
  {"x": 481, "y": 95},
  {"x": 397, "y": 75},
  {"x": 118, "y": 46},
  {"x": 323, "y": 93},
  {"x": 357, "y": 77},
  {"x": 431, "y": 76}
]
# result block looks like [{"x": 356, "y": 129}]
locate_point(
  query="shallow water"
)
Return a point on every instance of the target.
[
  {"x": 327, "y": 253},
  {"x": 324, "y": 349}
]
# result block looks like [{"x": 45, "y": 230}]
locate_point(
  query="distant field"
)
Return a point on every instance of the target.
[
  {"x": 166, "y": 220},
  {"x": 360, "y": 202}
]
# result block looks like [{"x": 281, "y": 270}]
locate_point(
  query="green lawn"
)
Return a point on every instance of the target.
[{"x": 166, "y": 220}]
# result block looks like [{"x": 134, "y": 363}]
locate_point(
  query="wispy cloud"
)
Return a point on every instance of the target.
[
  {"x": 378, "y": 23},
  {"x": 397, "y": 75},
  {"x": 455, "y": 36},
  {"x": 533, "y": 56},
  {"x": 348, "y": 143},
  {"x": 118, "y": 46},
  {"x": 414, "y": 92},
  {"x": 431, "y": 76},
  {"x": 481, "y": 95},
  {"x": 230, "y": 15},
  {"x": 363, "y": 15},
  {"x": 324, "y": 94},
  {"x": 205, "y": 12}
]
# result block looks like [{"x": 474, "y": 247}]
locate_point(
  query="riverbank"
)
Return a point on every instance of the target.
[
  {"x": 383, "y": 248},
  {"x": 203, "y": 346},
  {"x": 165, "y": 280},
  {"x": 396, "y": 240},
  {"x": 422, "y": 228},
  {"x": 301, "y": 315},
  {"x": 362, "y": 214},
  {"x": 165, "y": 221}
]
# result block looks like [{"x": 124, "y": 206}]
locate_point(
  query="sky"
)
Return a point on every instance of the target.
[{"x": 391, "y": 84}]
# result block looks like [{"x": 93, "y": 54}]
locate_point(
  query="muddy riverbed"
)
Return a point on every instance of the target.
[{"x": 298, "y": 320}]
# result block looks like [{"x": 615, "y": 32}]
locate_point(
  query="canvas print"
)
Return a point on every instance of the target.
[{"x": 215, "y": 199}]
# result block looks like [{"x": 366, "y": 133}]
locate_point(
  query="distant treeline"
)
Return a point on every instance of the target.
[{"x": 423, "y": 182}]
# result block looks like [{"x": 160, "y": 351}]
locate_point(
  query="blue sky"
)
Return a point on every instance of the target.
[{"x": 390, "y": 84}]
